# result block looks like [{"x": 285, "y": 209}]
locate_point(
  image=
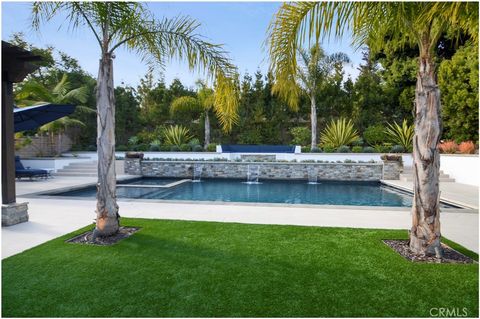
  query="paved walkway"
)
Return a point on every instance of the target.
[{"x": 50, "y": 218}]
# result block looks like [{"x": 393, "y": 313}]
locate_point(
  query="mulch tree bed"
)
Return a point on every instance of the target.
[
  {"x": 450, "y": 255},
  {"x": 86, "y": 238}
]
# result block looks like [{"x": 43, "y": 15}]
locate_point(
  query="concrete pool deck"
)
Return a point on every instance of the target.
[{"x": 52, "y": 217}]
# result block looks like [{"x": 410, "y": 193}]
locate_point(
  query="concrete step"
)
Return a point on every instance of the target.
[
  {"x": 409, "y": 170},
  {"x": 74, "y": 174},
  {"x": 81, "y": 166},
  {"x": 407, "y": 176},
  {"x": 411, "y": 175},
  {"x": 441, "y": 179},
  {"x": 88, "y": 169}
]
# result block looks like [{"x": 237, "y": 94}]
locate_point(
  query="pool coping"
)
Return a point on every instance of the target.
[
  {"x": 449, "y": 201},
  {"x": 41, "y": 194}
]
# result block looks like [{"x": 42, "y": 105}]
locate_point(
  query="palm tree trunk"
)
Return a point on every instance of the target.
[
  {"x": 207, "y": 130},
  {"x": 313, "y": 119},
  {"x": 425, "y": 231},
  {"x": 59, "y": 146},
  {"x": 108, "y": 220}
]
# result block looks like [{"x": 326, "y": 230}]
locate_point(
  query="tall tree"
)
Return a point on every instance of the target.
[
  {"x": 131, "y": 25},
  {"x": 203, "y": 103},
  {"x": 458, "y": 81},
  {"x": 127, "y": 112},
  {"x": 313, "y": 68},
  {"x": 420, "y": 23}
]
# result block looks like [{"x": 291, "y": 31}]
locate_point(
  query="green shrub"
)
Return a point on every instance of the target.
[
  {"x": 185, "y": 148},
  {"x": 301, "y": 135},
  {"x": 338, "y": 133},
  {"x": 74, "y": 148},
  {"x": 176, "y": 135},
  {"x": 358, "y": 142},
  {"x": 145, "y": 137},
  {"x": 368, "y": 149},
  {"x": 397, "y": 149},
  {"x": 174, "y": 148},
  {"x": 91, "y": 148},
  {"x": 197, "y": 148},
  {"x": 134, "y": 140},
  {"x": 154, "y": 148},
  {"x": 315, "y": 150},
  {"x": 141, "y": 147},
  {"x": 357, "y": 149},
  {"x": 374, "y": 135},
  {"x": 343, "y": 149},
  {"x": 328, "y": 149},
  {"x": 305, "y": 149},
  {"x": 165, "y": 148},
  {"x": 401, "y": 135},
  {"x": 382, "y": 148},
  {"x": 212, "y": 147},
  {"x": 121, "y": 148},
  {"x": 194, "y": 141}
]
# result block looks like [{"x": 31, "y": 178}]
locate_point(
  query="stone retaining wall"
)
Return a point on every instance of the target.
[{"x": 267, "y": 170}]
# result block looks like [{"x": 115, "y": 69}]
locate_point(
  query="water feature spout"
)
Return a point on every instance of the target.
[
  {"x": 197, "y": 173},
  {"x": 253, "y": 173},
  {"x": 312, "y": 175}
]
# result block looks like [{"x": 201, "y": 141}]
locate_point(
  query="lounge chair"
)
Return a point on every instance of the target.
[{"x": 21, "y": 171}]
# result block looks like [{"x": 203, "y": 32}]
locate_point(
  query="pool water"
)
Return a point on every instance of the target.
[{"x": 268, "y": 191}]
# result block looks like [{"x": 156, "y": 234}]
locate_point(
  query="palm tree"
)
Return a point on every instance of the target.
[
  {"x": 313, "y": 70},
  {"x": 34, "y": 93},
  {"x": 131, "y": 25},
  {"x": 371, "y": 23},
  {"x": 205, "y": 102}
]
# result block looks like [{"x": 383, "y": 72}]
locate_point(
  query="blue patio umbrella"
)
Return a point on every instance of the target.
[{"x": 32, "y": 117}]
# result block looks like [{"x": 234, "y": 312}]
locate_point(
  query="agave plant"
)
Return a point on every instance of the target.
[
  {"x": 401, "y": 135},
  {"x": 176, "y": 135},
  {"x": 338, "y": 133}
]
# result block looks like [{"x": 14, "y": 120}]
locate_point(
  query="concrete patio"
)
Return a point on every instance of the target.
[{"x": 51, "y": 217}]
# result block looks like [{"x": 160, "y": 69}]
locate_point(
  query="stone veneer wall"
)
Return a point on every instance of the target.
[
  {"x": 268, "y": 170},
  {"x": 392, "y": 170}
]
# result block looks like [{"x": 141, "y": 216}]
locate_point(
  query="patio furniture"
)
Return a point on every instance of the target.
[{"x": 21, "y": 171}]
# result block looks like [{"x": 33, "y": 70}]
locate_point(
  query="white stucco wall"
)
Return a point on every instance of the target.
[{"x": 464, "y": 168}]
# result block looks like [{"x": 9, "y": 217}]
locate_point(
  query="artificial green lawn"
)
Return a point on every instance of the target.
[{"x": 178, "y": 268}]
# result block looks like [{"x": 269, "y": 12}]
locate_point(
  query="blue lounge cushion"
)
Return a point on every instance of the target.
[{"x": 21, "y": 171}]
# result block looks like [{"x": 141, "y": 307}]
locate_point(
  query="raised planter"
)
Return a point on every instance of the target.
[{"x": 266, "y": 170}]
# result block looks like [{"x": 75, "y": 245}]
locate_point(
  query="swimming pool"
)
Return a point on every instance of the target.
[{"x": 267, "y": 191}]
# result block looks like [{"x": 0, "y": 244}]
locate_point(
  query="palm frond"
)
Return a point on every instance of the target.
[
  {"x": 34, "y": 91},
  {"x": 185, "y": 104},
  {"x": 61, "y": 124},
  {"x": 82, "y": 109},
  {"x": 76, "y": 95},
  {"x": 62, "y": 87},
  {"x": 156, "y": 41},
  {"x": 227, "y": 96}
]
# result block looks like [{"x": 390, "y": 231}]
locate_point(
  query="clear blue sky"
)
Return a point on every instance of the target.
[{"x": 240, "y": 26}]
